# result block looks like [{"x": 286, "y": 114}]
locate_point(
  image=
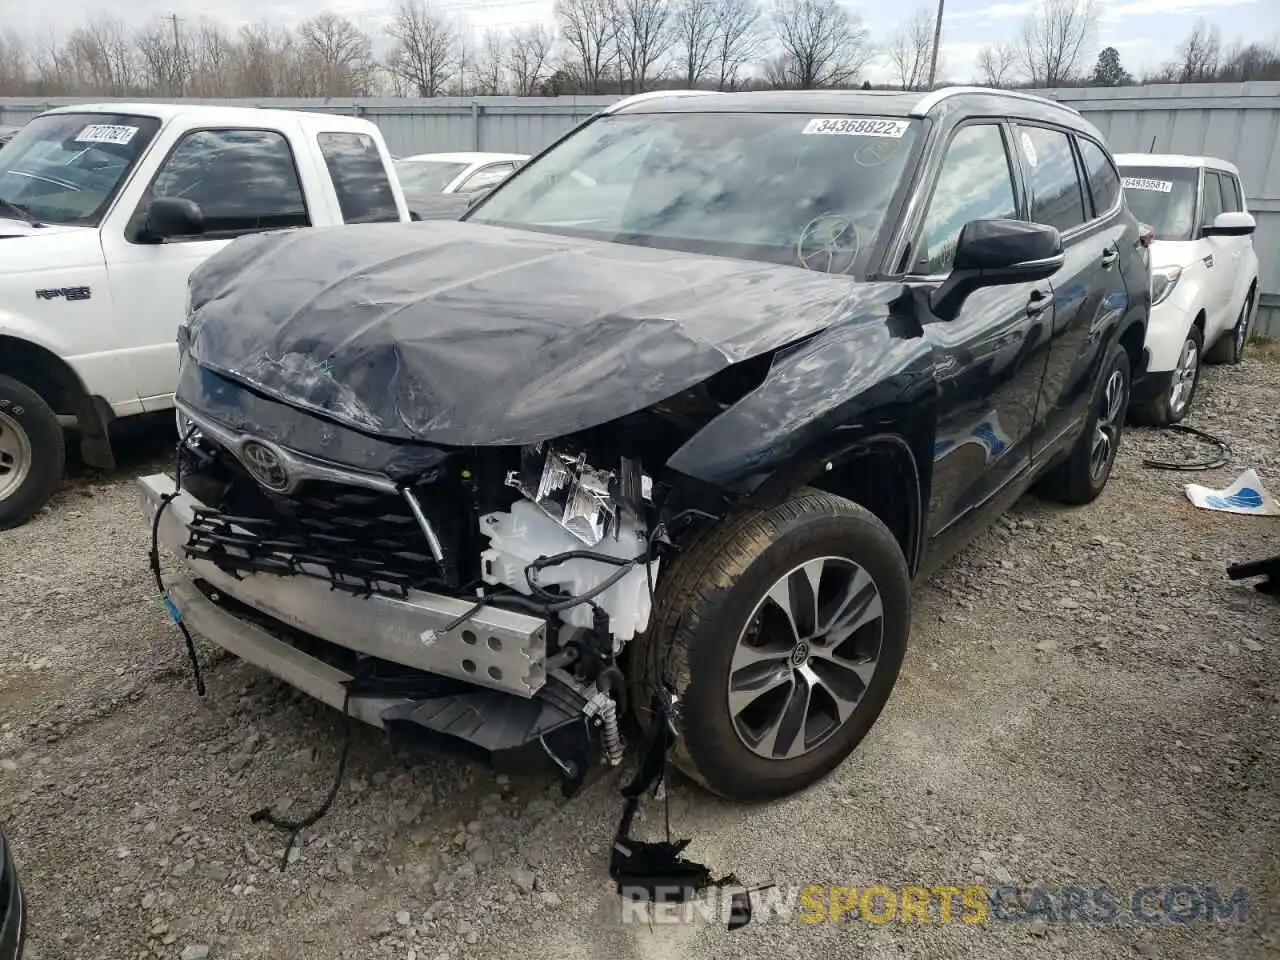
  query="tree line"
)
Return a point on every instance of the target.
[{"x": 591, "y": 47}]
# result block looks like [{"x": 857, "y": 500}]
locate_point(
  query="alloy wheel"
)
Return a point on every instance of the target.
[
  {"x": 1184, "y": 377},
  {"x": 15, "y": 456},
  {"x": 806, "y": 657},
  {"x": 1106, "y": 433}
]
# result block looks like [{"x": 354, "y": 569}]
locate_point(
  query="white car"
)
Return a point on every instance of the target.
[
  {"x": 1204, "y": 273},
  {"x": 428, "y": 175}
]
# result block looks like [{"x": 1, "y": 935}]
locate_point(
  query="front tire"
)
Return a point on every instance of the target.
[
  {"x": 782, "y": 632},
  {"x": 1230, "y": 346},
  {"x": 1080, "y": 478},
  {"x": 32, "y": 453},
  {"x": 1173, "y": 405}
]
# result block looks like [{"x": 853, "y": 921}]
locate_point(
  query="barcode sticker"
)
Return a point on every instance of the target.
[
  {"x": 857, "y": 127},
  {"x": 1143, "y": 183},
  {"x": 106, "y": 133}
]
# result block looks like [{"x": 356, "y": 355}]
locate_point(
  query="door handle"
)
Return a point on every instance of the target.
[
  {"x": 1110, "y": 256},
  {"x": 1038, "y": 304}
]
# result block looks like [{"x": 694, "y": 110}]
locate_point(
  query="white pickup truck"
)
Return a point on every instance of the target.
[{"x": 104, "y": 212}]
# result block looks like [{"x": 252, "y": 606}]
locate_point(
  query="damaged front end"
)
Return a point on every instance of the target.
[{"x": 484, "y": 605}]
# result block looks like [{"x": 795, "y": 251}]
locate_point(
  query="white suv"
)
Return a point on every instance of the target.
[{"x": 1204, "y": 273}]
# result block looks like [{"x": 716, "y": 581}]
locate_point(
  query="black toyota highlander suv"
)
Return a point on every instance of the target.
[{"x": 667, "y": 424}]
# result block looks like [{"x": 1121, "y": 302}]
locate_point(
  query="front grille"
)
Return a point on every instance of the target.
[{"x": 359, "y": 540}]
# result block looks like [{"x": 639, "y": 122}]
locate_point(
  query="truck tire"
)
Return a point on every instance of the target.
[
  {"x": 1079, "y": 479},
  {"x": 770, "y": 702},
  {"x": 32, "y": 453}
]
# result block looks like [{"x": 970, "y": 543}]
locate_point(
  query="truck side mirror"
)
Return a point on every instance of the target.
[
  {"x": 991, "y": 253},
  {"x": 168, "y": 218},
  {"x": 1230, "y": 224}
]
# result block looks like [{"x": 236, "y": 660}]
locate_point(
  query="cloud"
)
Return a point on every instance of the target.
[
  {"x": 1166, "y": 8},
  {"x": 996, "y": 11}
]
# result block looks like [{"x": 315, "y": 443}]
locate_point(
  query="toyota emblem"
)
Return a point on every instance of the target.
[{"x": 264, "y": 465}]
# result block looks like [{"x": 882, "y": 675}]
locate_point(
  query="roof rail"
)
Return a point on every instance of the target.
[
  {"x": 655, "y": 95},
  {"x": 932, "y": 99}
]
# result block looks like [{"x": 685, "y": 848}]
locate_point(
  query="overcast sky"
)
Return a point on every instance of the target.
[{"x": 1144, "y": 31}]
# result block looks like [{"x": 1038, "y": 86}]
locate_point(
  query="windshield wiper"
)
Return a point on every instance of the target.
[{"x": 22, "y": 214}]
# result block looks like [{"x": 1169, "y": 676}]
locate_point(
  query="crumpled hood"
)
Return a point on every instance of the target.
[{"x": 464, "y": 334}]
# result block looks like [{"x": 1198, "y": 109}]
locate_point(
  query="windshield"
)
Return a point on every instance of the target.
[
  {"x": 773, "y": 187},
  {"x": 1164, "y": 198},
  {"x": 427, "y": 176},
  {"x": 66, "y": 167}
]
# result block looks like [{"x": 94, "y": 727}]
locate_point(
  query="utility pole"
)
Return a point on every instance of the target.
[
  {"x": 937, "y": 40},
  {"x": 177, "y": 78}
]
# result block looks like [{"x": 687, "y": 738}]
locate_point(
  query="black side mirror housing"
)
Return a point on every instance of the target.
[
  {"x": 992, "y": 253},
  {"x": 168, "y": 218}
]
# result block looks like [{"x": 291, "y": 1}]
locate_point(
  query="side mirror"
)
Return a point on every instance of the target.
[
  {"x": 415, "y": 216},
  {"x": 171, "y": 217},
  {"x": 992, "y": 253},
  {"x": 1239, "y": 224}
]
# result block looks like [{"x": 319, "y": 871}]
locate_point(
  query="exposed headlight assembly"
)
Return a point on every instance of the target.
[
  {"x": 587, "y": 501},
  {"x": 1163, "y": 280}
]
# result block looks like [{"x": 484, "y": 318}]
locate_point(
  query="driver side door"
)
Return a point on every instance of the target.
[
  {"x": 989, "y": 359},
  {"x": 244, "y": 181}
]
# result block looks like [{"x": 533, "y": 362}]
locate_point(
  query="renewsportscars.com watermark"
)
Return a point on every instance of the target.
[{"x": 975, "y": 905}]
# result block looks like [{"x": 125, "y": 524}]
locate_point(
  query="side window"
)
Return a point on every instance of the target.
[
  {"x": 1212, "y": 198},
  {"x": 1056, "y": 197},
  {"x": 974, "y": 183},
  {"x": 359, "y": 177},
  {"x": 243, "y": 180},
  {"x": 1104, "y": 180},
  {"x": 487, "y": 177},
  {"x": 1230, "y": 193}
]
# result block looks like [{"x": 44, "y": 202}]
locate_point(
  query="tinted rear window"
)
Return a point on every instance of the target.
[{"x": 359, "y": 177}]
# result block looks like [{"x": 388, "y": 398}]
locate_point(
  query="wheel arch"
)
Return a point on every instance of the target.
[
  {"x": 61, "y": 387},
  {"x": 881, "y": 472}
]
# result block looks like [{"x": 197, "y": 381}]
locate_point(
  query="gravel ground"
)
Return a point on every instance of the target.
[{"x": 1087, "y": 700}]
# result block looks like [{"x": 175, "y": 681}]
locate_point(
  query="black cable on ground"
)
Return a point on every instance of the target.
[
  {"x": 1221, "y": 460},
  {"x": 295, "y": 827},
  {"x": 174, "y": 612}
]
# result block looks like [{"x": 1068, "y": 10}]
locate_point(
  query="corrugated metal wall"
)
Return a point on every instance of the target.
[{"x": 1237, "y": 122}]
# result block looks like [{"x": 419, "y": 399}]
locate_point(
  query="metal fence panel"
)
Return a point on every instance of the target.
[{"x": 1239, "y": 122}]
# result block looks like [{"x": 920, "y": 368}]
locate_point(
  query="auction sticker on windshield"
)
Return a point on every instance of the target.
[
  {"x": 857, "y": 127},
  {"x": 1144, "y": 183},
  {"x": 106, "y": 133}
]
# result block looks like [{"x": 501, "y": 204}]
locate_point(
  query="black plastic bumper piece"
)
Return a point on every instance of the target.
[
  {"x": 13, "y": 908},
  {"x": 1150, "y": 385},
  {"x": 548, "y": 732}
]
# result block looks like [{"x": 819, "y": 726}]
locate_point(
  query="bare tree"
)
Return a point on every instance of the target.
[
  {"x": 529, "y": 58},
  {"x": 693, "y": 29},
  {"x": 822, "y": 44},
  {"x": 997, "y": 63},
  {"x": 14, "y": 64},
  {"x": 1199, "y": 54},
  {"x": 336, "y": 56},
  {"x": 102, "y": 55},
  {"x": 910, "y": 49},
  {"x": 212, "y": 55},
  {"x": 739, "y": 40},
  {"x": 491, "y": 67},
  {"x": 589, "y": 30},
  {"x": 425, "y": 47},
  {"x": 1053, "y": 41},
  {"x": 163, "y": 57},
  {"x": 643, "y": 34}
]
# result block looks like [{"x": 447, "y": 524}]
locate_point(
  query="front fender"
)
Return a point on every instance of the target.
[
  {"x": 819, "y": 401},
  {"x": 13, "y": 324}
]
